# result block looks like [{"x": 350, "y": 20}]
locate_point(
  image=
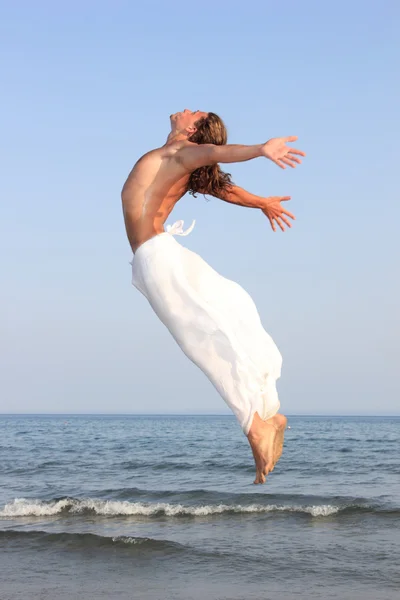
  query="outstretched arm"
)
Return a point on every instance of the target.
[
  {"x": 194, "y": 156},
  {"x": 270, "y": 206}
]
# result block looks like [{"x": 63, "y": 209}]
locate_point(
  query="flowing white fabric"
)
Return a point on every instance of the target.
[
  {"x": 214, "y": 321},
  {"x": 177, "y": 228}
]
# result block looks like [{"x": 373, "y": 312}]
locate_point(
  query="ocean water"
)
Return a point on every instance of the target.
[{"x": 163, "y": 507}]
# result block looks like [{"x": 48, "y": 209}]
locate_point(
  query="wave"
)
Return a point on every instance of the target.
[
  {"x": 87, "y": 540},
  {"x": 22, "y": 507}
]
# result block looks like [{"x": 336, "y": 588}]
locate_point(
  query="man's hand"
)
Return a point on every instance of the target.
[
  {"x": 276, "y": 213},
  {"x": 277, "y": 151}
]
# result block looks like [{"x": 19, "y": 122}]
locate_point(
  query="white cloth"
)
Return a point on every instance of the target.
[{"x": 214, "y": 321}]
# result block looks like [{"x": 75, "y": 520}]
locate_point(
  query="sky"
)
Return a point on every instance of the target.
[{"x": 88, "y": 87}]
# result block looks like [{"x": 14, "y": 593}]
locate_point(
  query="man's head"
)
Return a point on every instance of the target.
[
  {"x": 199, "y": 127},
  {"x": 184, "y": 122}
]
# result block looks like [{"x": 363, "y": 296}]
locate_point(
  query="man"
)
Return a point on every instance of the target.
[{"x": 214, "y": 321}]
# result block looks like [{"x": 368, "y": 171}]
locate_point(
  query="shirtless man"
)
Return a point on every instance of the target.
[{"x": 214, "y": 320}]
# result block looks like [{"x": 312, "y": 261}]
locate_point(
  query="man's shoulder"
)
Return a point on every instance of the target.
[
  {"x": 174, "y": 150},
  {"x": 177, "y": 145}
]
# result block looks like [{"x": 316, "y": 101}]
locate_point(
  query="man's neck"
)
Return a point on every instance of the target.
[{"x": 177, "y": 136}]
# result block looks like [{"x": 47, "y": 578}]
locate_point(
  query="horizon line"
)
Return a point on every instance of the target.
[{"x": 194, "y": 414}]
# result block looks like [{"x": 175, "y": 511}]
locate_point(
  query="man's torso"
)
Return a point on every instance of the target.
[{"x": 154, "y": 186}]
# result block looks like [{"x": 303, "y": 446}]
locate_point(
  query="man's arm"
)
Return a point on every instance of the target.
[
  {"x": 237, "y": 195},
  {"x": 270, "y": 206},
  {"x": 194, "y": 156}
]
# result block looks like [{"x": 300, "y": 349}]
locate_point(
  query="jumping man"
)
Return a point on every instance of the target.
[{"x": 213, "y": 319}]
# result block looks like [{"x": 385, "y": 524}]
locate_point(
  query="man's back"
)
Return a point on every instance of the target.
[{"x": 155, "y": 184}]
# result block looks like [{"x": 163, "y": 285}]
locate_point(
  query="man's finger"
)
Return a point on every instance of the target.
[
  {"x": 279, "y": 164},
  {"x": 288, "y": 223},
  {"x": 279, "y": 223},
  {"x": 294, "y": 158},
  {"x": 288, "y": 162},
  {"x": 291, "y": 138},
  {"x": 294, "y": 151},
  {"x": 289, "y": 214},
  {"x": 284, "y": 198},
  {"x": 272, "y": 224}
]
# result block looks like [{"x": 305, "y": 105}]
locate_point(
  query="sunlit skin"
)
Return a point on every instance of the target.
[{"x": 160, "y": 178}]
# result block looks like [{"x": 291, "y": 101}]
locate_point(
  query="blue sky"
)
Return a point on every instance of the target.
[{"x": 87, "y": 87}]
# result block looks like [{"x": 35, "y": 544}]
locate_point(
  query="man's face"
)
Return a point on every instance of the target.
[{"x": 185, "y": 120}]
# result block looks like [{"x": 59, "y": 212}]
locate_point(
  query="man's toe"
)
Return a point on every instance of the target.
[{"x": 259, "y": 477}]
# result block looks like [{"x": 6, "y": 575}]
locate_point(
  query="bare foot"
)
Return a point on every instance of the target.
[{"x": 266, "y": 441}]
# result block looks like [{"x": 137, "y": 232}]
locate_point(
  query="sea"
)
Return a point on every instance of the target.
[{"x": 163, "y": 507}]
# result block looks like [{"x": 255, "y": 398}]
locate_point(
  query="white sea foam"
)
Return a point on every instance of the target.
[
  {"x": 37, "y": 508},
  {"x": 129, "y": 540}
]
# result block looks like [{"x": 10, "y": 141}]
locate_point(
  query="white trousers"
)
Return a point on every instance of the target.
[{"x": 214, "y": 321}]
